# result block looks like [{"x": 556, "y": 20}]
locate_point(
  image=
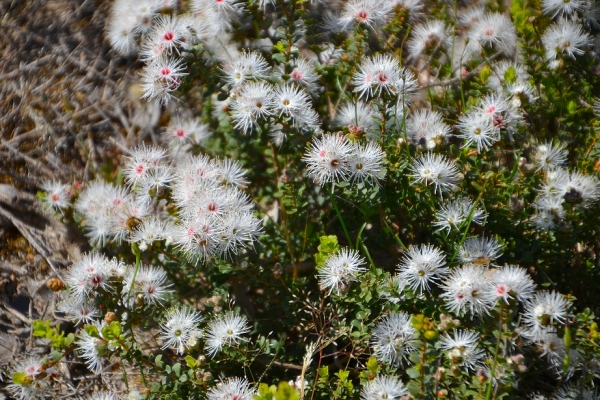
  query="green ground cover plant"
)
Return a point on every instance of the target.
[{"x": 374, "y": 199}]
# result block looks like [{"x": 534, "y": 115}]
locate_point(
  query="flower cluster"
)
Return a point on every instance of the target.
[
  {"x": 433, "y": 120},
  {"x": 333, "y": 158}
]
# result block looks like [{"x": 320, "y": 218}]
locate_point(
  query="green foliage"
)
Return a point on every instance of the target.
[
  {"x": 57, "y": 338},
  {"x": 283, "y": 391},
  {"x": 335, "y": 341}
]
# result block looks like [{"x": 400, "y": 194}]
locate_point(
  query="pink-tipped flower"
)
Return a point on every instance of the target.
[{"x": 161, "y": 77}]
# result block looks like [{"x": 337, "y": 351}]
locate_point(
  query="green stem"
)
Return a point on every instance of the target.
[
  {"x": 490, "y": 387},
  {"x": 389, "y": 230},
  {"x": 359, "y": 240},
  {"x": 469, "y": 220},
  {"x": 138, "y": 256},
  {"x": 337, "y": 211},
  {"x": 284, "y": 215}
]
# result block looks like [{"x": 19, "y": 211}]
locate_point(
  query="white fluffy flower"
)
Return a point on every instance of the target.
[
  {"x": 383, "y": 388},
  {"x": 180, "y": 330},
  {"x": 436, "y": 170},
  {"x": 339, "y": 270},
  {"x": 421, "y": 266},
  {"x": 566, "y": 39},
  {"x": 426, "y": 128},
  {"x": 392, "y": 338},
  {"x": 328, "y": 157},
  {"x": 365, "y": 163},
  {"x": 58, "y": 195},
  {"x": 550, "y": 156},
  {"x": 544, "y": 310},
  {"x": 225, "y": 330},
  {"x": 453, "y": 213},
  {"x": 493, "y": 30},
  {"x": 479, "y": 250},
  {"x": 462, "y": 349},
  {"x": 372, "y": 13},
  {"x": 232, "y": 388},
  {"x": 466, "y": 289}
]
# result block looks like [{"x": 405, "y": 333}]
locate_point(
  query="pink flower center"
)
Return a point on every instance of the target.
[
  {"x": 165, "y": 72},
  {"x": 96, "y": 280},
  {"x": 322, "y": 153},
  {"x": 139, "y": 169},
  {"x": 190, "y": 232},
  {"x": 31, "y": 370},
  {"x": 55, "y": 198},
  {"x": 180, "y": 133},
  {"x": 489, "y": 33},
  {"x": 296, "y": 75},
  {"x": 501, "y": 290},
  {"x": 169, "y": 36},
  {"x": 362, "y": 16},
  {"x": 150, "y": 290},
  {"x": 382, "y": 78},
  {"x": 212, "y": 207},
  {"x": 117, "y": 202},
  {"x": 491, "y": 109}
]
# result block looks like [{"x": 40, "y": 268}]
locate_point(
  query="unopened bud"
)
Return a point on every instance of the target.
[
  {"x": 481, "y": 375},
  {"x": 139, "y": 300},
  {"x": 55, "y": 284},
  {"x": 277, "y": 270},
  {"x": 439, "y": 374},
  {"x": 110, "y": 317}
]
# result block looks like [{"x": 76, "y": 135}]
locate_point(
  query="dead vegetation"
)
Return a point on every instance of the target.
[{"x": 66, "y": 111}]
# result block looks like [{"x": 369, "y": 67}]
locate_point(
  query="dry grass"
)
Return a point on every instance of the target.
[{"x": 66, "y": 110}]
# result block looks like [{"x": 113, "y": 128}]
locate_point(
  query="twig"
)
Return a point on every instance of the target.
[
  {"x": 17, "y": 314},
  {"x": 6, "y": 267},
  {"x": 30, "y": 160}
]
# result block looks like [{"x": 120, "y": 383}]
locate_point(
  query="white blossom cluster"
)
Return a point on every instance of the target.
[
  {"x": 215, "y": 218},
  {"x": 333, "y": 158}
]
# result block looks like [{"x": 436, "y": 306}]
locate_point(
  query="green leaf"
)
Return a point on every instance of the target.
[
  {"x": 57, "y": 355},
  {"x": 286, "y": 392},
  {"x": 40, "y": 328},
  {"x": 279, "y": 58},
  {"x": 190, "y": 361},
  {"x": 92, "y": 331},
  {"x": 70, "y": 339},
  {"x": 115, "y": 328},
  {"x": 413, "y": 372},
  {"x": 510, "y": 75},
  {"x": 324, "y": 372},
  {"x": 19, "y": 378},
  {"x": 413, "y": 388},
  {"x": 177, "y": 369}
]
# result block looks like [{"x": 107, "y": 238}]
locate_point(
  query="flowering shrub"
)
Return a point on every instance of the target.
[{"x": 367, "y": 199}]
